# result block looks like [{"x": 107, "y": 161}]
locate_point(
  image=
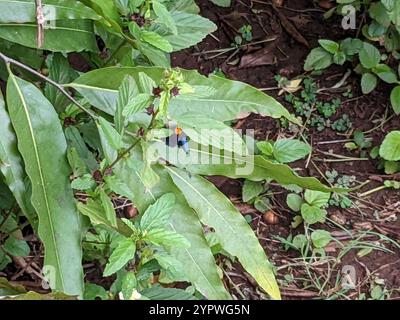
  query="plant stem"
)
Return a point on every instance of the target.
[
  {"x": 60, "y": 87},
  {"x": 367, "y": 193}
]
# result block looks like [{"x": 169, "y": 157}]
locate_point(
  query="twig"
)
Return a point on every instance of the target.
[
  {"x": 9, "y": 61},
  {"x": 40, "y": 23}
]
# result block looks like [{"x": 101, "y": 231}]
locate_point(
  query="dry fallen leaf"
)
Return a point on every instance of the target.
[{"x": 263, "y": 57}]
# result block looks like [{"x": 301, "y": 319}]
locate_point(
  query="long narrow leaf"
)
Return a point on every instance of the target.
[{"x": 43, "y": 148}]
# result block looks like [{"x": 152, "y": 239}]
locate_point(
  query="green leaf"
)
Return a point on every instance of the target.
[
  {"x": 166, "y": 238},
  {"x": 320, "y": 238},
  {"x": 164, "y": 16},
  {"x": 12, "y": 167},
  {"x": 94, "y": 291},
  {"x": 111, "y": 140},
  {"x": 294, "y": 202},
  {"x": 288, "y": 150},
  {"x": 390, "y": 148},
  {"x": 232, "y": 100},
  {"x": 158, "y": 214},
  {"x": 330, "y": 46},
  {"x": 43, "y": 148},
  {"x": 255, "y": 168},
  {"x": 160, "y": 293},
  {"x": 63, "y": 36},
  {"x": 156, "y": 40},
  {"x": 351, "y": 46},
  {"x": 126, "y": 93},
  {"x": 232, "y": 230},
  {"x": 395, "y": 99},
  {"x": 197, "y": 260},
  {"x": 368, "y": 83},
  {"x": 7, "y": 288},
  {"x": 191, "y": 28},
  {"x": 61, "y": 72},
  {"x": 385, "y": 73},
  {"x": 207, "y": 131},
  {"x": 108, "y": 208},
  {"x": 312, "y": 214},
  {"x": 139, "y": 103},
  {"x": 222, "y": 3},
  {"x": 369, "y": 56},
  {"x": 21, "y": 11},
  {"x": 251, "y": 189},
  {"x": 266, "y": 148},
  {"x": 318, "y": 59},
  {"x": 16, "y": 247},
  {"x": 317, "y": 198},
  {"x": 83, "y": 183},
  {"x": 122, "y": 254}
]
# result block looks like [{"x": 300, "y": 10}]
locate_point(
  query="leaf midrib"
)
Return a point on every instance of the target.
[{"x": 34, "y": 143}]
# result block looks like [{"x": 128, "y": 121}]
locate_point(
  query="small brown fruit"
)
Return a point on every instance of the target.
[
  {"x": 326, "y": 4},
  {"x": 270, "y": 217},
  {"x": 130, "y": 212}
]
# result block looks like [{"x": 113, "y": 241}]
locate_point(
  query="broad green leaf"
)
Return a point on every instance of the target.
[
  {"x": 251, "y": 189},
  {"x": 16, "y": 247},
  {"x": 317, "y": 198},
  {"x": 395, "y": 99},
  {"x": 318, "y": 59},
  {"x": 12, "y": 167},
  {"x": 390, "y": 148},
  {"x": 156, "y": 40},
  {"x": 320, "y": 238},
  {"x": 21, "y": 11},
  {"x": 368, "y": 82},
  {"x": 255, "y": 168},
  {"x": 369, "y": 56},
  {"x": 122, "y": 254},
  {"x": 43, "y": 147},
  {"x": 232, "y": 100},
  {"x": 312, "y": 214},
  {"x": 63, "y": 36},
  {"x": 385, "y": 73},
  {"x": 157, "y": 215},
  {"x": 188, "y": 6},
  {"x": 191, "y": 28},
  {"x": 232, "y": 230},
  {"x": 290, "y": 150},
  {"x": 197, "y": 260},
  {"x": 330, "y": 46},
  {"x": 164, "y": 16}
]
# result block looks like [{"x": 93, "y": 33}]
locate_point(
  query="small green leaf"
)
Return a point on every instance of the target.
[
  {"x": 265, "y": 147},
  {"x": 368, "y": 82},
  {"x": 122, "y": 254},
  {"x": 158, "y": 214},
  {"x": 94, "y": 291},
  {"x": 83, "y": 183},
  {"x": 164, "y": 16},
  {"x": 251, "y": 189},
  {"x": 166, "y": 238},
  {"x": 290, "y": 150},
  {"x": 395, "y": 99},
  {"x": 330, "y": 46},
  {"x": 318, "y": 59},
  {"x": 156, "y": 40},
  {"x": 294, "y": 201},
  {"x": 317, "y": 198},
  {"x": 312, "y": 214},
  {"x": 108, "y": 208},
  {"x": 390, "y": 148},
  {"x": 320, "y": 238},
  {"x": 137, "y": 104},
  {"x": 369, "y": 56},
  {"x": 16, "y": 247}
]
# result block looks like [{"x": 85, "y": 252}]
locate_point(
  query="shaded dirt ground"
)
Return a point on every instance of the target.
[{"x": 277, "y": 51}]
